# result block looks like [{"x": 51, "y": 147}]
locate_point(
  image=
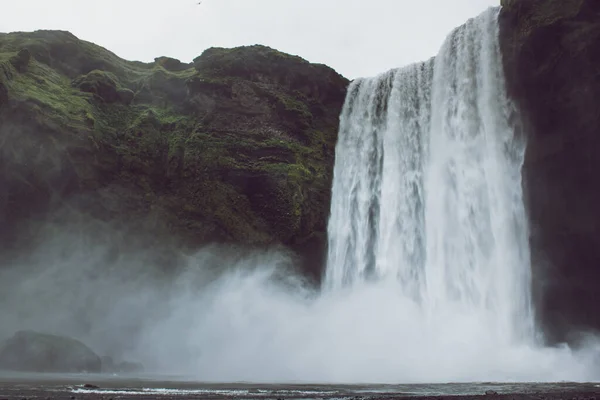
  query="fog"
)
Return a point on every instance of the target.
[{"x": 232, "y": 314}]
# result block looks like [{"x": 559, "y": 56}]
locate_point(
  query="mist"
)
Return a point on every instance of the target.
[
  {"x": 227, "y": 313},
  {"x": 231, "y": 314}
]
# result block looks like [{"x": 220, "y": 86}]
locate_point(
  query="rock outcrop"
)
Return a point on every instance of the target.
[
  {"x": 237, "y": 146},
  {"x": 30, "y": 351},
  {"x": 551, "y": 54}
]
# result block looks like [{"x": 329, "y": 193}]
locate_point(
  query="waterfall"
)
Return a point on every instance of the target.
[
  {"x": 427, "y": 189},
  {"x": 428, "y": 273}
]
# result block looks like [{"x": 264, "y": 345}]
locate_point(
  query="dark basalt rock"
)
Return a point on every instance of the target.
[
  {"x": 39, "y": 352},
  {"x": 90, "y": 386},
  {"x": 104, "y": 85},
  {"x": 21, "y": 60},
  {"x": 3, "y": 94},
  {"x": 171, "y": 64},
  {"x": 551, "y": 54},
  {"x": 237, "y": 147}
]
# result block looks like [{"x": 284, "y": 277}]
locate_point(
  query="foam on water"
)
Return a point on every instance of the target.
[{"x": 160, "y": 392}]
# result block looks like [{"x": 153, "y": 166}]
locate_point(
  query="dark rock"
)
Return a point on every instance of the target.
[
  {"x": 35, "y": 170},
  {"x": 491, "y": 393},
  {"x": 90, "y": 386},
  {"x": 238, "y": 149},
  {"x": 171, "y": 64},
  {"x": 3, "y": 94},
  {"x": 39, "y": 352},
  {"x": 21, "y": 60},
  {"x": 125, "y": 96},
  {"x": 266, "y": 65},
  {"x": 551, "y": 54},
  {"x": 100, "y": 83}
]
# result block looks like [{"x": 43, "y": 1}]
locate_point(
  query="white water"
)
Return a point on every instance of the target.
[
  {"x": 427, "y": 278},
  {"x": 427, "y": 187}
]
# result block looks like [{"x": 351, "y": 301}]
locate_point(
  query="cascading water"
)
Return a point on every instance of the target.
[
  {"x": 427, "y": 278},
  {"x": 427, "y": 186}
]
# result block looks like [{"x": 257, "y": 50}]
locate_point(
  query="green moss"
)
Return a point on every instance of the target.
[
  {"x": 170, "y": 64},
  {"x": 295, "y": 107},
  {"x": 102, "y": 84},
  {"x": 231, "y": 143},
  {"x": 243, "y": 61},
  {"x": 53, "y": 95}
]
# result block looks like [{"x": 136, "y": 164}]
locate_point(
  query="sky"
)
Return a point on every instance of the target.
[{"x": 355, "y": 37}]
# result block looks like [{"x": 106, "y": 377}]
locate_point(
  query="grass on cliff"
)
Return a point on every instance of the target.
[
  {"x": 155, "y": 131},
  {"x": 53, "y": 96}
]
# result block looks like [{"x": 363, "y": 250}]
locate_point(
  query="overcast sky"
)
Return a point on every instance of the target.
[{"x": 356, "y": 37}]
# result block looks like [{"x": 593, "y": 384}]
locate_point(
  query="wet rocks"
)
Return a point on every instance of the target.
[
  {"x": 551, "y": 52},
  {"x": 90, "y": 386}
]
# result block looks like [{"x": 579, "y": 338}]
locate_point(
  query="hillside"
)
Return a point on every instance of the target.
[{"x": 237, "y": 146}]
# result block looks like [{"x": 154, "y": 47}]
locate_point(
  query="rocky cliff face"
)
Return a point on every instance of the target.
[
  {"x": 552, "y": 60},
  {"x": 237, "y": 146}
]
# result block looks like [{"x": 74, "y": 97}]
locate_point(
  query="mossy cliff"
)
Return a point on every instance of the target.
[
  {"x": 552, "y": 60},
  {"x": 237, "y": 146}
]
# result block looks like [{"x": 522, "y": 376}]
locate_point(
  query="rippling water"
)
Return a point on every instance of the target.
[{"x": 48, "y": 385}]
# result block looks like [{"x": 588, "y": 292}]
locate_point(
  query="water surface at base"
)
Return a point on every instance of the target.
[{"x": 15, "y": 385}]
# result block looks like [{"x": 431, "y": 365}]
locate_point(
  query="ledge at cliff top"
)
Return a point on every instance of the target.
[{"x": 237, "y": 146}]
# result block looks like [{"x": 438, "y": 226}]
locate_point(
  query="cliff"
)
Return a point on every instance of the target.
[
  {"x": 237, "y": 146},
  {"x": 552, "y": 57}
]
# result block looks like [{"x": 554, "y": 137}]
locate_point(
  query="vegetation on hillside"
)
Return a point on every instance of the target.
[{"x": 236, "y": 146}]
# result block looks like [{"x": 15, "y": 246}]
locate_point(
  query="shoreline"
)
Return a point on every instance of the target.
[
  {"x": 69, "y": 395},
  {"x": 130, "y": 389}
]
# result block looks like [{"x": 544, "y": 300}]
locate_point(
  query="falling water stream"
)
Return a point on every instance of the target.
[
  {"x": 427, "y": 277},
  {"x": 427, "y": 186}
]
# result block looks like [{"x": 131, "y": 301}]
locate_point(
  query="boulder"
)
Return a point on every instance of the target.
[
  {"x": 171, "y": 64},
  {"x": 125, "y": 95},
  {"x": 30, "y": 351},
  {"x": 21, "y": 60},
  {"x": 102, "y": 84}
]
